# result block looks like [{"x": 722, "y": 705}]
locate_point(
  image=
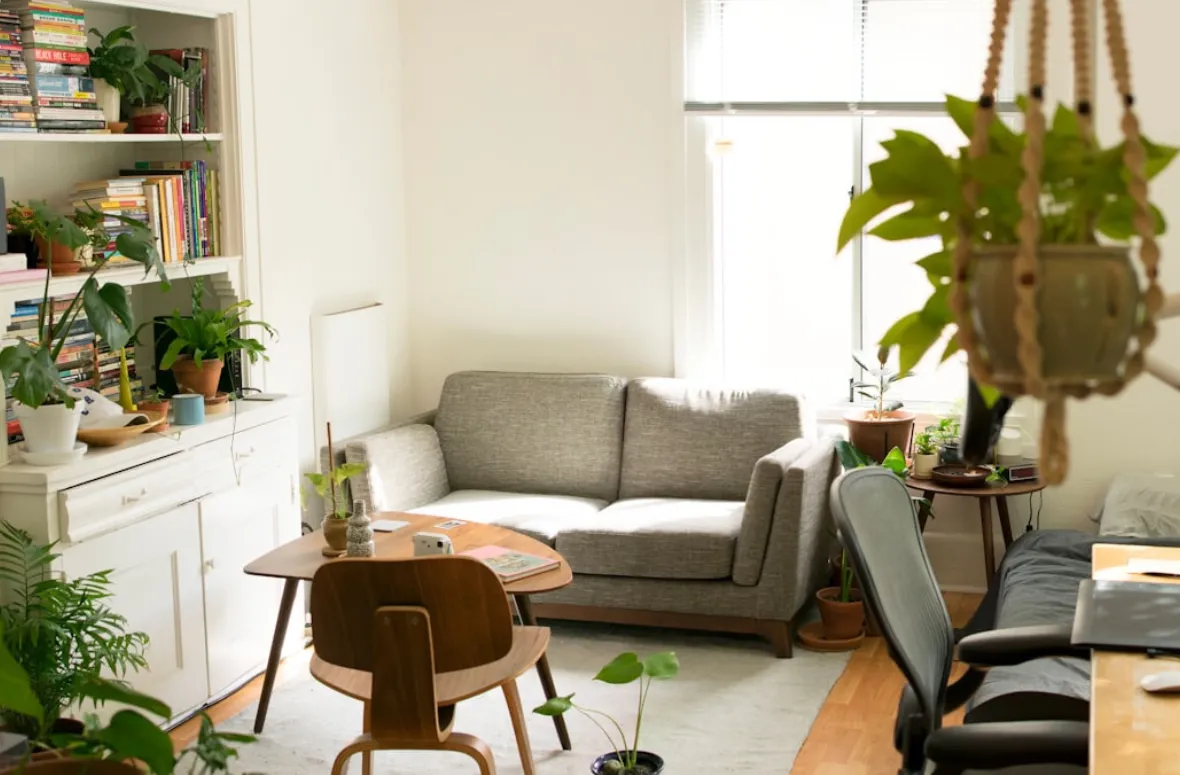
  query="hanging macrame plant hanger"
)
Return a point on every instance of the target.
[{"x": 1057, "y": 321}]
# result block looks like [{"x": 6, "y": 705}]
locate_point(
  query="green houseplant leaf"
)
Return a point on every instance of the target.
[
  {"x": 109, "y": 311},
  {"x": 135, "y": 737},
  {"x": 16, "y": 693},
  {"x": 662, "y": 665},
  {"x": 864, "y": 208},
  {"x": 623, "y": 669},
  {"x": 555, "y": 706},
  {"x": 101, "y": 690}
]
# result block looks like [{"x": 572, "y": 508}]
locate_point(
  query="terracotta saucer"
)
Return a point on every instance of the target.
[
  {"x": 811, "y": 637},
  {"x": 217, "y": 404}
]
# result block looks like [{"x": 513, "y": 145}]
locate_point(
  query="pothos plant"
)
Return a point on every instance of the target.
[
  {"x": 1084, "y": 195},
  {"x": 29, "y": 367},
  {"x": 328, "y": 486}
]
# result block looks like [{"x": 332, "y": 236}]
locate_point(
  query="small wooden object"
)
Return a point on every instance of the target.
[{"x": 113, "y": 437}]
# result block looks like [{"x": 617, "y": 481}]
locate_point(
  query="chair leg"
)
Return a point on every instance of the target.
[
  {"x": 367, "y": 727},
  {"x": 475, "y": 748},
  {"x": 518, "y": 726},
  {"x": 362, "y": 745}
]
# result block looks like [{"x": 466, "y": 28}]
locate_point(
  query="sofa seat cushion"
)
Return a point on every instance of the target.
[
  {"x": 660, "y": 538},
  {"x": 537, "y": 516}
]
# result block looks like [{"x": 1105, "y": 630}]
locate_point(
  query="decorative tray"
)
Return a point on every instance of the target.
[
  {"x": 960, "y": 475},
  {"x": 113, "y": 437}
]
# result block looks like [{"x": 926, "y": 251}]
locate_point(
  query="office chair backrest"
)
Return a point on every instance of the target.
[{"x": 880, "y": 531}]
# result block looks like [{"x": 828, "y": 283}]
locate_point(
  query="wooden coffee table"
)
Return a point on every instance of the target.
[{"x": 298, "y": 561}]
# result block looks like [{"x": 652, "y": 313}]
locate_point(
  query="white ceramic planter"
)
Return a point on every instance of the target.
[
  {"x": 924, "y": 465},
  {"x": 51, "y": 428},
  {"x": 108, "y": 100}
]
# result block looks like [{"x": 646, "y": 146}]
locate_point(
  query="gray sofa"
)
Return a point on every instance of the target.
[{"x": 675, "y": 504}]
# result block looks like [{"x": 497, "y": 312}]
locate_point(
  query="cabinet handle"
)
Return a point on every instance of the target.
[
  {"x": 209, "y": 564},
  {"x": 128, "y": 499},
  {"x": 243, "y": 455}
]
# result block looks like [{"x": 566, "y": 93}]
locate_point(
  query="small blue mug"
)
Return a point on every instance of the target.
[{"x": 188, "y": 409}]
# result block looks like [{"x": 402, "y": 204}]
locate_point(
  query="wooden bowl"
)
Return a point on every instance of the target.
[
  {"x": 113, "y": 437},
  {"x": 960, "y": 475}
]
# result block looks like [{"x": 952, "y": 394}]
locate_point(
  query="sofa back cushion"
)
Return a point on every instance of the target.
[
  {"x": 535, "y": 433},
  {"x": 686, "y": 440}
]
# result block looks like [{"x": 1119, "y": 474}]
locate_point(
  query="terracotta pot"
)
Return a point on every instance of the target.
[
  {"x": 63, "y": 726},
  {"x": 62, "y": 260},
  {"x": 336, "y": 533},
  {"x": 924, "y": 464},
  {"x": 876, "y": 436},
  {"x": 1088, "y": 303},
  {"x": 203, "y": 379},
  {"x": 842, "y": 621},
  {"x": 156, "y": 406}
]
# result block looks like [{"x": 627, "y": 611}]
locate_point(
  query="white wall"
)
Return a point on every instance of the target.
[
  {"x": 540, "y": 157},
  {"x": 329, "y": 185}
]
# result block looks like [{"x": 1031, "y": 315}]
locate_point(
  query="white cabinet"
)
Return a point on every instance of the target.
[
  {"x": 156, "y": 584},
  {"x": 236, "y": 527}
]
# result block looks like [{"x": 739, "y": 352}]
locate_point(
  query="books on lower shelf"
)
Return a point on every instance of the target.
[
  {"x": 185, "y": 199},
  {"x": 511, "y": 565}
]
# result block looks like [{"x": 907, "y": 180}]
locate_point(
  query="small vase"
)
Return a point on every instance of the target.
[
  {"x": 924, "y": 465},
  {"x": 336, "y": 534},
  {"x": 108, "y": 100},
  {"x": 360, "y": 532}
]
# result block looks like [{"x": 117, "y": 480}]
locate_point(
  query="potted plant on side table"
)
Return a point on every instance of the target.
[
  {"x": 328, "y": 486},
  {"x": 46, "y": 409},
  {"x": 624, "y": 758},
  {"x": 925, "y": 455},
  {"x": 203, "y": 339},
  {"x": 885, "y": 426}
]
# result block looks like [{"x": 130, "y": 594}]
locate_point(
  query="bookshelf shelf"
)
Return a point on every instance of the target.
[
  {"x": 31, "y": 137},
  {"x": 124, "y": 275}
]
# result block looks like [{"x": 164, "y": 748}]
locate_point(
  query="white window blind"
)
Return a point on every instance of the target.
[{"x": 787, "y": 102}]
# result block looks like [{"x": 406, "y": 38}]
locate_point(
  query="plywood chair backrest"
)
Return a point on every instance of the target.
[{"x": 470, "y": 620}]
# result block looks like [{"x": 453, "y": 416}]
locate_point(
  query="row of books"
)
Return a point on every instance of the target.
[
  {"x": 16, "y": 100},
  {"x": 188, "y": 105}
]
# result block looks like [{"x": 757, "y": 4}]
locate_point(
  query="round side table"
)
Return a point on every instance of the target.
[{"x": 985, "y": 495}]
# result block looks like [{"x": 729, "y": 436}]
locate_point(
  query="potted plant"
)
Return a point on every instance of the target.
[
  {"x": 46, "y": 409},
  {"x": 203, "y": 339},
  {"x": 20, "y": 234},
  {"x": 841, "y": 608},
  {"x": 153, "y": 400},
  {"x": 972, "y": 201},
  {"x": 328, "y": 486},
  {"x": 946, "y": 438},
  {"x": 925, "y": 454},
  {"x": 60, "y": 632},
  {"x": 885, "y": 426},
  {"x": 123, "y": 68},
  {"x": 624, "y": 758}
]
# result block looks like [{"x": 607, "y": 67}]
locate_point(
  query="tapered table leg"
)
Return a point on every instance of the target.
[
  {"x": 1005, "y": 520},
  {"x": 525, "y": 607},
  {"x": 290, "y": 587},
  {"x": 989, "y": 549}
]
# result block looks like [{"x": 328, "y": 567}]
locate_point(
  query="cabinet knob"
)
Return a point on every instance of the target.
[
  {"x": 134, "y": 498},
  {"x": 243, "y": 455},
  {"x": 209, "y": 564}
]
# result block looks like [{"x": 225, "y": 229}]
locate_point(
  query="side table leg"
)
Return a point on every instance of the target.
[
  {"x": 989, "y": 548},
  {"x": 925, "y": 510},
  {"x": 525, "y": 607},
  {"x": 1005, "y": 520},
  {"x": 290, "y": 587}
]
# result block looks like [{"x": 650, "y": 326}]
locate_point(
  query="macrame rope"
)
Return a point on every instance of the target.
[
  {"x": 1083, "y": 91},
  {"x": 1054, "y": 461}
]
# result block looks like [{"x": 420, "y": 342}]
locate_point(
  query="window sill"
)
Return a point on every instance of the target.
[{"x": 928, "y": 411}]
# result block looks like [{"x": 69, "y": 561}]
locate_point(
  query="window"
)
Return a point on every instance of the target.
[{"x": 786, "y": 104}]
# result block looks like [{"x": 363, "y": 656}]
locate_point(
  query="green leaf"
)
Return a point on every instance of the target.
[
  {"x": 346, "y": 471},
  {"x": 623, "y": 669},
  {"x": 101, "y": 690},
  {"x": 662, "y": 665},
  {"x": 937, "y": 311},
  {"x": 989, "y": 393},
  {"x": 1000, "y": 136},
  {"x": 16, "y": 695},
  {"x": 909, "y": 225},
  {"x": 555, "y": 706},
  {"x": 1065, "y": 122},
  {"x": 916, "y": 168},
  {"x": 939, "y": 264},
  {"x": 895, "y": 333},
  {"x": 132, "y": 736},
  {"x": 37, "y": 379},
  {"x": 173, "y": 352},
  {"x": 1116, "y": 219},
  {"x": 1158, "y": 157},
  {"x": 917, "y": 338},
  {"x": 895, "y": 462},
  {"x": 851, "y": 457},
  {"x": 952, "y": 347},
  {"x": 864, "y": 208},
  {"x": 109, "y": 311}
]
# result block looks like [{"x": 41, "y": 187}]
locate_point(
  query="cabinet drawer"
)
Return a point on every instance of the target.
[
  {"x": 251, "y": 454},
  {"x": 113, "y": 501}
]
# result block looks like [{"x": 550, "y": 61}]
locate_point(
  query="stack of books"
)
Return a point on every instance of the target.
[
  {"x": 13, "y": 269},
  {"x": 187, "y": 206},
  {"x": 123, "y": 197},
  {"x": 16, "y": 101},
  {"x": 76, "y": 365},
  {"x": 106, "y": 372},
  {"x": 53, "y": 35}
]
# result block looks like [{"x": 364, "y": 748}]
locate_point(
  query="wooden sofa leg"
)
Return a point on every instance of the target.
[{"x": 781, "y": 636}]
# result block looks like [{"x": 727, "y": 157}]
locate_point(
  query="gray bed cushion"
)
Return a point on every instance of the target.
[
  {"x": 558, "y": 434},
  {"x": 685, "y": 440}
]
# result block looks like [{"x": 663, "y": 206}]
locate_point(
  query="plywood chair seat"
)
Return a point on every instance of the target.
[
  {"x": 410, "y": 639},
  {"x": 528, "y": 645}
]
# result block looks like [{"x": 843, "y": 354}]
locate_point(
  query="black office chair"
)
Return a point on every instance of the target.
[{"x": 880, "y": 532}]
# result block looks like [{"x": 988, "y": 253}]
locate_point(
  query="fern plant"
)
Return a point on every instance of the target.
[
  {"x": 60, "y": 631},
  {"x": 212, "y": 333}
]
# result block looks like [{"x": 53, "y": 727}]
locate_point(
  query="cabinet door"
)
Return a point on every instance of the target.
[
  {"x": 237, "y": 527},
  {"x": 157, "y": 586}
]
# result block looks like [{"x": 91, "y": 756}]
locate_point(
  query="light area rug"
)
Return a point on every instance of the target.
[{"x": 734, "y": 708}]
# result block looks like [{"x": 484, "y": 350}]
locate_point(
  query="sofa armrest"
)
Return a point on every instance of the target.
[
  {"x": 1014, "y": 645},
  {"x": 404, "y": 468},
  {"x": 758, "y": 513},
  {"x": 802, "y": 532}
]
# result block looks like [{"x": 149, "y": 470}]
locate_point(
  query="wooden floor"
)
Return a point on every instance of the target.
[{"x": 853, "y": 734}]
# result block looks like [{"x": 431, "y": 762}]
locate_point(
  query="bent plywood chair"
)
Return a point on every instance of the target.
[{"x": 411, "y": 639}]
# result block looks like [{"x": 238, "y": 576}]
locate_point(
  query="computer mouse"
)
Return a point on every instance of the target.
[{"x": 1165, "y": 683}]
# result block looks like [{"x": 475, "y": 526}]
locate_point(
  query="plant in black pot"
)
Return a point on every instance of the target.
[{"x": 625, "y": 758}]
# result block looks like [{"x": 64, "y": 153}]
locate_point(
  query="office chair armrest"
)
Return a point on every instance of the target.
[
  {"x": 990, "y": 746},
  {"x": 1013, "y": 645}
]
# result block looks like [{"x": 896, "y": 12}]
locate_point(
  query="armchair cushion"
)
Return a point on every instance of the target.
[
  {"x": 683, "y": 440},
  {"x": 662, "y": 538},
  {"x": 404, "y": 468},
  {"x": 538, "y": 516},
  {"x": 559, "y": 434}
]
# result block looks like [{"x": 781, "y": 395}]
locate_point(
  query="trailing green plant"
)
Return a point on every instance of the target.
[
  {"x": 851, "y": 457},
  {"x": 995, "y": 476},
  {"x": 947, "y": 431},
  {"x": 624, "y": 669},
  {"x": 924, "y": 444},
  {"x": 60, "y": 632},
  {"x": 885, "y": 378},
  {"x": 328, "y": 486},
  {"x": 29, "y": 367},
  {"x": 1084, "y": 195},
  {"x": 212, "y": 332}
]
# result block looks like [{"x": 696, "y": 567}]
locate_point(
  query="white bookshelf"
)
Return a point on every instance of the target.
[{"x": 47, "y": 166}]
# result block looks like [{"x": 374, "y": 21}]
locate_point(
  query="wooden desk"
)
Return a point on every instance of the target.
[
  {"x": 299, "y": 560},
  {"x": 1131, "y": 731}
]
